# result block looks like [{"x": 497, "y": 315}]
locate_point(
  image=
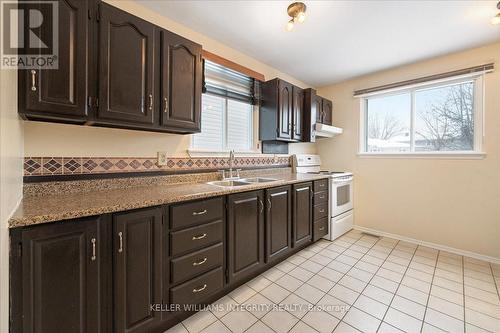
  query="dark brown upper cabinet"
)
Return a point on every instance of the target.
[
  {"x": 278, "y": 222},
  {"x": 126, "y": 67},
  {"x": 326, "y": 108},
  {"x": 298, "y": 113},
  {"x": 61, "y": 93},
  {"x": 62, "y": 266},
  {"x": 245, "y": 220},
  {"x": 138, "y": 246},
  {"x": 302, "y": 213},
  {"x": 116, "y": 70},
  {"x": 181, "y": 83},
  {"x": 281, "y": 112}
]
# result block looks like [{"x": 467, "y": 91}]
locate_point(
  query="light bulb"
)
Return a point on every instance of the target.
[
  {"x": 496, "y": 20},
  {"x": 301, "y": 17},
  {"x": 289, "y": 25}
]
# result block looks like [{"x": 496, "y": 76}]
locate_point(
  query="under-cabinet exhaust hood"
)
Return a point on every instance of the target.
[{"x": 327, "y": 131}]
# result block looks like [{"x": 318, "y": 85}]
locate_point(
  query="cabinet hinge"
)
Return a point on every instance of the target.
[{"x": 89, "y": 101}]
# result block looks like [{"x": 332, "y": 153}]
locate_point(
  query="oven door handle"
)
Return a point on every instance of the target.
[{"x": 343, "y": 181}]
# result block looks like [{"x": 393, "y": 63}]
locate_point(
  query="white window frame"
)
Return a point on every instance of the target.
[
  {"x": 479, "y": 92},
  {"x": 254, "y": 149}
]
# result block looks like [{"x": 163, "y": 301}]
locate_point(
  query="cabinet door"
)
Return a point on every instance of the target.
[
  {"x": 302, "y": 213},
  {"x": 181, "y": 81},
  {"x": 61, "y": 277},
  {"x": 126, "y": 69},
  {"x": 327, "y": 111},
  {"x": 298, "y": 113},
  {"x": 285, "y": 104},
  {"x": 61, "y": 92},
  {"x": 318, "y": 103},
  {"x": 246, "y": 234},
  {"x": 137, "y": 253},
  {"x": 278, "y": 222}
]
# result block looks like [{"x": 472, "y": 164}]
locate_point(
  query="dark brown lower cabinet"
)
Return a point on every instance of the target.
[
  {"x": 245, "y": 234},
  {"x": 302, "y": 213},
  {"x": 57, "y": 279},
  {"x": 138, "y": 246},
  {"x": 278, "y": 222}
]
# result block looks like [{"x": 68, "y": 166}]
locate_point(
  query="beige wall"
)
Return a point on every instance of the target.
[
  {"x": 42, "y": 139},
  {"x": 11, "y": 153},
  {"x": 455, "y": 203}
]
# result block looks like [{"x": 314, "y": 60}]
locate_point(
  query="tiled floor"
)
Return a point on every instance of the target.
[{"x": 384, "y": 285}]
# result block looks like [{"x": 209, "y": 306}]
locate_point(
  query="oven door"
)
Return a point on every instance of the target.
[{"x": 341, "y": 194}]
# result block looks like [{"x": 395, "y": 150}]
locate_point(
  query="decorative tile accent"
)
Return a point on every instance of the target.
[{"x": 52, "y": 166}]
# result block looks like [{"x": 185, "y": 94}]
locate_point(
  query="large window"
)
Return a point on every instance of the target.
[
  {"x": 226, "y": 124},
  {"x": 443, "y": 117}
]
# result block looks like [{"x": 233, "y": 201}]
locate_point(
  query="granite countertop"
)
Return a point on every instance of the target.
[{"x": 55, "y": 207}]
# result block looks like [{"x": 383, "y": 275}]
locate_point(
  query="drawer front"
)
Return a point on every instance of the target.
[
  {"x": 192, "y": 264},
  {"x": 320, "y": 229},
  {"x": 320, "y": 211},
  {"x": 187, "y": 214},
  {"x": 198, "y": 289},
  {"x": 321, "y": 185},
  {"x": 320, "y": 197},
  {"x": 194, "y": 238}
]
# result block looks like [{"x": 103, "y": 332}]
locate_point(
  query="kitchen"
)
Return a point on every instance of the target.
[{"x": 176, "y": 173}]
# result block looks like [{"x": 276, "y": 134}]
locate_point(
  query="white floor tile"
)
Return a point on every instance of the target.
[
  {"x": 361, "y": 321},
  {"x": 386, "y": 328},
  {"x": 259, "y": 283},
  {"x": 379, "y": 294},
  {"x": 452, "y": 309},
  {"x": 285, "y": 266},
  {"x": 258, "y": 305},
  {"x": 390, "y": 275},
  {"x": 483, "y": 307},
  {"x": 416, "y": 284},
  {"x": 409, "y": 307},
  {"x": 199, "y": 321},
  {"x": 448, "y": 284},
  {"x": 321, "y": 283},
  {"x": 339, "y": 266},
  {"x": 223, "y": 305},
  {"x": 179, "y": 328},
  {"x": 273, "y": 274},
  {"x": 238, "y": 321},
  {"x": 353, "y": 283},
  {"x": 280, "y": 321},
  {"x": 482, "y": 295},
  {"x": 428, "y": 328},
  {"x": 413, "y": 294},
  {"x": 259, "y": 327},
  {"x": 360, "y": 274},
  {"x": 371, "y": 306},
  {"x": 344, "y": 294},
  {"x": 302, "y": 327},
  {"x": 330, "y": 274},
  {"x": 367, "y": 267},
  {"x": 217, "y": 327},
  {"x": 321, "y": 321},
  {"x": 320, "y": 259},
  {"x": 345, "y": 328},
  {"x": 301, "y": 274},
  {"x": 275, "y": 293},
  {"x": 443, "y": 321},
  {"x": 311, "y": 266},
  {"x": 289, "y": 282},
  {"x": 333, "y": 306},
  {"x": 309, "y": 293},
  {"x": 481, "y": 320},
  {"x": 403, "y": 321},
  {"x": 242, "y": 293},
  {"x": 394, "y": 267},
  {"x": 296, "y": 305},
  {"x": 447, "y": 295},
  {"x": 385, "y": 284}
]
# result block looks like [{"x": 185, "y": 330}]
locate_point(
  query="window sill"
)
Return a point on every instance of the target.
[{"x": 465, "y": 155}]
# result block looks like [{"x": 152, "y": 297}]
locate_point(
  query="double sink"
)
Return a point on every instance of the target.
[{"x": 241, "y": 181}]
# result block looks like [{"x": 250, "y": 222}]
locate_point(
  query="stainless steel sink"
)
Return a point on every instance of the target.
[
  {"x": 229, "y": 183},
  {"x": 259, "y": 180}
]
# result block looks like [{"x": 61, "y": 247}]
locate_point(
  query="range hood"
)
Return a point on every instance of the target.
[{"x": 327, "y": 131}]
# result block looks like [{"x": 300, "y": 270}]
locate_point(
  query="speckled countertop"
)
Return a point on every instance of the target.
[{"x": 37, "y": 209}]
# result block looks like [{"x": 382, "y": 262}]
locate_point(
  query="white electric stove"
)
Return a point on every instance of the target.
[{"x": 341, "y": 206}]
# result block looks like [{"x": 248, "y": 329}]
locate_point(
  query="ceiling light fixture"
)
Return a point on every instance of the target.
[
  {"x": 496, "y": 20},
  {"x": 297, "y": 12}
]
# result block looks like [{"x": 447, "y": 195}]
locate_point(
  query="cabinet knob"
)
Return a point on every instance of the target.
[
  {"x": 150, "y": 102},
  {"x": 200, "y": 213},
  {"x": 199, "y": 236},
  {"x": 120, "y": 238},
  {"x": 93, "y": 241},
  {"x": 165, "y": 109},
  {"x": 200, "y": 262}
]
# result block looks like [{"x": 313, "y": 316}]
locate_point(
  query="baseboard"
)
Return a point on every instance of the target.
[{"x": 429, "y": 244}]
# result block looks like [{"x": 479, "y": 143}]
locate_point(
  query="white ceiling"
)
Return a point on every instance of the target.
[{"x": 339, "y": 39}]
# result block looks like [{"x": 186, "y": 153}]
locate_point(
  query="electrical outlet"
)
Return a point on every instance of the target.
[{"x": 162, "y": 158}]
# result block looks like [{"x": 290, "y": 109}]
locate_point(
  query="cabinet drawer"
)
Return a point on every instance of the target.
[
  {"x": 320, "y": 211},
  {"x": 320, "y": 197},
  {"x": 192, "y": 264},
  {"x": 194, "y": 238},
  {"x": 184, "y": 215},
  {"x": 320, "y": 229},
  {"x": 320, "y": 185},
  {"x": 197, "y": 290}
]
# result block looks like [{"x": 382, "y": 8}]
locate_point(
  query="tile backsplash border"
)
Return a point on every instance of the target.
[{"x": 60, "y": 166}]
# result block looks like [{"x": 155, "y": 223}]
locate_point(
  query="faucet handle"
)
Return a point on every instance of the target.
[
  {"x": 238, "y": 172},
  {"x": 223, "y": 173}
]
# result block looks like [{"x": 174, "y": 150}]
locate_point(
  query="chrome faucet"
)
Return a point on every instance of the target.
[{"x": 231, "y": 164}]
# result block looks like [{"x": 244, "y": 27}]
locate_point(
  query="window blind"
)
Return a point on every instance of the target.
[{"x": 224, "y": 82}]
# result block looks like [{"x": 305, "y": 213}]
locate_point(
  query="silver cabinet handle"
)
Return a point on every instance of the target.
[
  {"x": 322, "y": 228},
  {"x": 321, "y": 210},
  {"x": 200, "y": 262},
  {"x": 166, "y": 105},
  {"x": 261, "y": 204},
  {"x": 322, "y": 197},
  {"x": 199, "y": 237},
  {"x": 197, "y": 290},
  {"x": 120, "y": 237},
  {"x": 200, "y": 213},
  {"x": 150, "y": 102},
  {"x": 33, "y": 80},
  {"x": 93, "y": 249},
  {"x": 269, "y": 203}
]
